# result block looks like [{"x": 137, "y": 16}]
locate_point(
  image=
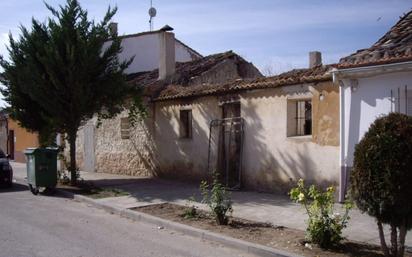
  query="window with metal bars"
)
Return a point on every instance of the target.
[
  {"x": 401, "y": 100},
  {"x": 299, "y": 118}
]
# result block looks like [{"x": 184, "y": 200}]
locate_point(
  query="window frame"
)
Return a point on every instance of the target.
[
  {"x": 293, "y": 127},
  {"x": 185, "y": 124},
  {"x": 125, "y": 128}
]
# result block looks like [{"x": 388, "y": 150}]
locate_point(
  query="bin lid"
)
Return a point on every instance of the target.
[
  {"x": 32, "y": 150},
  {"x": 29, "y": 151}
]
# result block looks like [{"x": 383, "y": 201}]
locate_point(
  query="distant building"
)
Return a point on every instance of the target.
[
  {"x": 15, "y": 139},
  {"x": 144, "y": 48}
]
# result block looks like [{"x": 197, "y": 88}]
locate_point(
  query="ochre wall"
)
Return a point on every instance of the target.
[
  {"x": 22, "y": 140},
  {"x": 325, "y": 114}
]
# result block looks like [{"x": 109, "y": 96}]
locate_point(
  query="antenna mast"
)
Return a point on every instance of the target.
[{"x": 152, "y": 14}]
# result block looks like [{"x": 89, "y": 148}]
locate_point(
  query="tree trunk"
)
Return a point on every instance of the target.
[
  {"x": 382, "y": 239},
  {"x": 72, "y": 168},
  {"x": 402, "y": 236},
  {"x": 394, "y": 241}
]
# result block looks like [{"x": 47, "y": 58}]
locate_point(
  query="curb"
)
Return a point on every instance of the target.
[{"x": 238, "y": 244}]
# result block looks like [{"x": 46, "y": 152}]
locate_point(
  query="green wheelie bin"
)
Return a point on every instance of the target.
[{"x": 41, "y": 169}]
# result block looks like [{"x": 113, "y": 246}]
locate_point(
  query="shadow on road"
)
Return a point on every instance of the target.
[
  {"x": 15, "y": 188},
  {"x": 18, "y": 187}
]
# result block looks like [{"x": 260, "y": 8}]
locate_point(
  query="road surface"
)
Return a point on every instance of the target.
[{"x": 32, "y": 226}]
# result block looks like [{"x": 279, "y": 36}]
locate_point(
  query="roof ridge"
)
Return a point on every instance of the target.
[{"x": 292, "y": 77}]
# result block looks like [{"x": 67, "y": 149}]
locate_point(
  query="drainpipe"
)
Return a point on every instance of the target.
[
  {"x": 342, "y": 162},
  {"x": 342, "y": 142}
]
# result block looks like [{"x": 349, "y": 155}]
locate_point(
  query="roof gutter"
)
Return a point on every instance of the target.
[{"x": 369, "y": 71}]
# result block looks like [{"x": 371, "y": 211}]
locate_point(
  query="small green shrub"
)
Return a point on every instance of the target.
[
  {"x": 324, "y": 225},
  {"x": 190, "y": 210},
  {"x": 218, "y": 200}
]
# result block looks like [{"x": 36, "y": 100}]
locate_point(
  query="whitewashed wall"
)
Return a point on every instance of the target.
[
  {"x": 145, "y": 49},
  {"x": 368, "y": 100}
]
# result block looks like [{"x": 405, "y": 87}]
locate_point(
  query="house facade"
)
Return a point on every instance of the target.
[
  {"x": 218, "y": 114},
  {"x": 373, "y": 82},
  {"x": 118, "y": 147},
  {"x": 146, "y": 48},
  {"x": 290, "y": 131}
]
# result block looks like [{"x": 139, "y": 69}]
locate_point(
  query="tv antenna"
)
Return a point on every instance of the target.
[{"x": 152, "y": 14}]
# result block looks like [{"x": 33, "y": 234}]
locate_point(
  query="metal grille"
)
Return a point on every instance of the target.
[
  {"x": 303, "y": 118},
  {"x": 225, "y": 150},
  {"x": 401, "y": 100}
]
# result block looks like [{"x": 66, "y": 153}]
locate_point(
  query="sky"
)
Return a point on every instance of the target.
[{"x": 276, "y": 35}]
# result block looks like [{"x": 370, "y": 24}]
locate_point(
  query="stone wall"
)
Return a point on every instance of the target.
[{"x": 112, "y": 154}]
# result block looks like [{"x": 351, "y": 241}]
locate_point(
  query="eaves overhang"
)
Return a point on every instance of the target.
[{"x": 370, "y": 71}]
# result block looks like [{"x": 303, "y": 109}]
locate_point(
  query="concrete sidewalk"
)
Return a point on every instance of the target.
[{"x": 274, "y": 208}]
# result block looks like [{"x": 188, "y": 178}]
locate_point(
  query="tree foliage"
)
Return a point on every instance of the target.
[
  {"x": 62, "y": 72},
  {"x": 382, "y": 177}
]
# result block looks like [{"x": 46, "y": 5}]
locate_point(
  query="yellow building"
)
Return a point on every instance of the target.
[{"x": 17, "y": 140}]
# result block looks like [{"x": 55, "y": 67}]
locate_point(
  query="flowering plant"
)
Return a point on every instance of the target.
[{"x": 324, "y": 224}]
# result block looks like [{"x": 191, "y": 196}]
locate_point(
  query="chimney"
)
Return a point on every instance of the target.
[
  {"x": 167, "y": 62},
  {"x": 315, "y": 59},
  {"x": 113, "y": 28}
]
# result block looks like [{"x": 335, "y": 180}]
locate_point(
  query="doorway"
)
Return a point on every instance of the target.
[
  {"x": 225, "y": 146},
  {"x": 11, "y": 144}
]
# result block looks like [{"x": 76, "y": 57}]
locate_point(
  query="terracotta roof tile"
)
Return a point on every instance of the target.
[
  {"x": 293, "y": 77},
  {"x": 185, "y": 71},
  {"x": 181, "y": 86},
  {"x": 394, "y": 46}
]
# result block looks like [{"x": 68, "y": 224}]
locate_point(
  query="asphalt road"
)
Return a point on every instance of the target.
[{"x": 56, "y": 226}]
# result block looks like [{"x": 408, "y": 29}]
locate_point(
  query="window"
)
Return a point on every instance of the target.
[
  {"x": 401, "y": 99},
  {"x": 299, "y": 118},
  {"x": 125, "y": 128},
  {"x": 186, "y": 123}
]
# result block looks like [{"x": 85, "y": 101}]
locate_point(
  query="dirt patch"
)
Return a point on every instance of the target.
[
  {"x": 287, "y": 239},
  {"x": 94, "y": 192}
]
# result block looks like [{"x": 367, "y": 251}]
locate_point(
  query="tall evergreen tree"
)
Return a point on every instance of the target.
[{"x": 62, "y": 72}]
